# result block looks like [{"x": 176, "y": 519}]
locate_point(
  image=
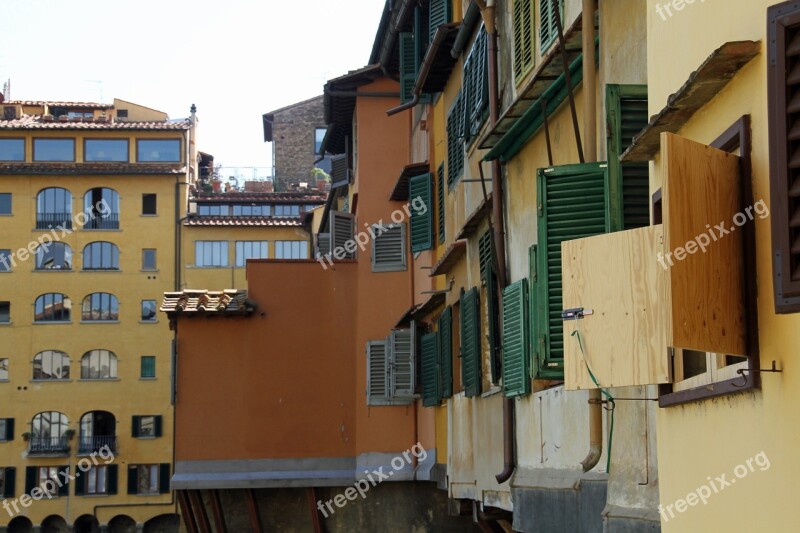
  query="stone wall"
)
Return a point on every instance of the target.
[{"x": 293, "y": 142}]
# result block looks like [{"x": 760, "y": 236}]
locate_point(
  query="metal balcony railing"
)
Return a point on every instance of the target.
[
  {"x": 48, "y": 445},
  {"x": 110, "y": 221},
  {"x": 95, "y": 444},
  {"x": 53, "y": 220}
]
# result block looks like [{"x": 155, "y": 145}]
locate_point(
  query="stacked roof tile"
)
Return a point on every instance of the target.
[
  {"x": 37, "y": 122},
  {"x": 243, "y": 221},
  {"x": 229, "y": 301}
]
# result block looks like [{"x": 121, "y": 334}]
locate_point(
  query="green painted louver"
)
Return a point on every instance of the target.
[
  {"x": 408, "y": 66},
  {"x": 420, "y": 197},
  {"x": 516, "y": 360},
  {"x": 431, "y": 393},
  {"x": 455, "y": 140},
  {"x": 476, "y": 83},
  {"x": 523, "y": 38},
  {"x": 440, "y": 191},
  {"x": 470, "y": 343},
  {"x": 548, "y": 28},
  {"x": 445, "y": 328},
  {"x": 439, "y": 13},
  {"x": 573, "y": 203},
  {"x": 489, "y": 281}
]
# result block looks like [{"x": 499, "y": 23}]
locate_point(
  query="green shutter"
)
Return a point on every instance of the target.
[
  {"x": 408, "y": 66},
  {"x": 523, "y": 38},
  {"x": 439, "y": 13},
  {"x": 421, "y": 200},
  {"x": 630, "y": 182},
  {"x": 548, "y": 27},
  {"x": 573, "y": 203},
  {"x": 431, "y": 393},
  {"x": 476, "y": 82},
  {"x": 9, "y": 482},
  {"x": 455, "y": 140},
  {"x": 489, "y": 280},
  {"x": 440, "y": 191},
  {"x": 470, "y": 343},
  {"x": 445, "y": 327},
  {"x": 516, "y": 361},
  {"x": 148, "y": 366}
]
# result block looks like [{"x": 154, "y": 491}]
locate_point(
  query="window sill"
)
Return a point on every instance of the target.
[
  {"x": 51, "y": 322},
  {"x": 100, "y": 321},
  {"x": 148, "y": 379},
  {"x": 492, "y": 392},
  {"x": 149, "y": 270},
  {"x": 148, "y": 322},
  {"x": 100, "y": 270},
  {"x": 100, "y": 229},
  {"x": 9, "y": 323},
  {"x": 91, "y": 495},
  {"x": 150, "y": 216},
  {"x": 50, "y": 381},
  {"x": 51, "y": 270},
  {"x": 209, "y": 267},
  {"x": 97, "y": 379},
  {"x": 728, "y": 387}
]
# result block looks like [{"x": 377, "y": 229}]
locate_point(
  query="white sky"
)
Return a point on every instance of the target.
[{"x": 234, "y": 59}]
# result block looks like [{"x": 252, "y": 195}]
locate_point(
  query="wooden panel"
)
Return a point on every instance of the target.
[
  {"x": 702, "y": 191},
  {"x": 619, "y": 278}
]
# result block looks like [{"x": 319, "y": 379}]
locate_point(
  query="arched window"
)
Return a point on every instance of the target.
[
  {"x": 51, "y": 364},
  {"x": 101, "y": 256},
  {"x": 100, "y": 306},
  {"x": 98, "y": 429},
  {"x": 54, "y": 208},
  {"x": 48, "y": 432},
  {"x": 52, "y": 307},
  {"x": 54, "y": 256},
  {"x": 101, "y": 207},
  {"x": 99, "y": 364}
]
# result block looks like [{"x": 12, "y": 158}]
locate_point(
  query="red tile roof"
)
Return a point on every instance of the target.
[
  {"x": 38, "y": 169},
  {"x": 36, "y": 122},
  {"x": 240, "y": 221},
  {"x": 284, "y": 197},
  {"x": 85, "y": 105},
  {"x": 229, "y": 301}
]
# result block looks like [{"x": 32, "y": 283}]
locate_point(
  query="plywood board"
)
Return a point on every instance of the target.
[
  {"x": 702, "y": 202},
  {"x": 619, "y": 278}
]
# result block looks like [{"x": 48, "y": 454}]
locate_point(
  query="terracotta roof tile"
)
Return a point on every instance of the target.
[
  {"x": 229, "y": 301},
  {"x": 36, "y": 122},
  {"x": 90, "y": 168},
  {"x": 286, "y": 197},
  {"x": 243, "y": 221},
  {"x": 85, "y": 105}
]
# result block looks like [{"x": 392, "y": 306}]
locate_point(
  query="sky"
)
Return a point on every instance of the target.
[{"x": 234, "y": 59}]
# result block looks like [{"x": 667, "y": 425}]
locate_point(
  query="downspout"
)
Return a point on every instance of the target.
[
  {"x": 590, "y": 148},
  {"x": 488, "y": 13}
]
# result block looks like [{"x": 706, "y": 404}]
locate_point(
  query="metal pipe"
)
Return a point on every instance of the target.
[
  {"x": 471, "y": 16},
  {"x": 595, "y": 431}
]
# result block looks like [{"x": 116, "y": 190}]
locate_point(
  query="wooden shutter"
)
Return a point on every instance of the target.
[
  {"x": 163, "y": 478},
  {"x": 112, "y": 479},
  {"x": 439, "y": 13},
  {"x": 476, "y": 78},
  {"x": 159, "y": 429},
  {"x": 445, "y": 328},
  {"x": 342, "y": 231},
  {"x": 431, "y": 382},
  {"x": 516, "y": 360},
  {"x": 626, "y": 107},
  {"x": 402, "y": 366},
  {"x": 408, "y": 66},
  {"x": 80, "y": 482},
  {"x": 489, "y": 281},
  {"x": 389, "y": 249},
  {"x": 421, "y": 194},
  {"x": 63, "y": 474},
  {"x": 523, "y": 38},
  {"x": 9, "y": 482},
  {"x": 440, "y": 191},
  {"x": 31, "y": 475},
  {"x": 455, "y": 140},
  {"x": 470, "y": 343},
  {"x": 133, "y": 479},
  {"x": 377, "y": 373},
  {"x": 136, "y": 423},
  {"x": 573, "y": 203},
  {"x": 548, "y": 28},
  {"x": 784, "y": 149},
  {"x": 9, "y": 436}
]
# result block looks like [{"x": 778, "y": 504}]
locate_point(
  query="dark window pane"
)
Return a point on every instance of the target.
[
  {"x": 149, "y": 310},
  {"x": 149, "y": 204},
  {"x": 148, "y": 366},
  {"x": 5, "y": 260},
  {"x": 54, "y": 149},
  {"x": 106, "y": 150},
  {"x": 5, "y": 203},
  {"x": 5, "y": 313},
  {"x": 150, "y": 150},
  {"x": 12, "y": 150},
  {"x": 148, "y": 259}
]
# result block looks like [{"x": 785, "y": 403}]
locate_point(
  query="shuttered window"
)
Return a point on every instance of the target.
[
  {"x": 455, "y": 140},
  {"x": 431, "y": 381},
  {"x": 784, "y": 150},
  {"x": 391, "y": 369},
  {"x": 440, "y": 192},
  {"x": 438, "y": 14},
  {"x": 6, "y": 429},
  {"x": 340, "y": 171},
  {"x": 470, "y": 343},
  {"x": 389, "y": 248},
  {"x": 476, "y": 84},
  {"x": 548, "y": 24},
  {"x": 516, "y": 359},
  {"x": 8, "y": 481},
  {"x": 523, "y": 38},
  {"x": 342, "y": 231},
  {"x": 626, "y": 107},
  {"x": 445, "y": 329},
  {"x": 408, "y": 66},
  {"x": 489, "y": 283},
  {"x": 421, "y": 200},
  {"x": 377, "y": 378},
  {"x": 323, "y": 244}
]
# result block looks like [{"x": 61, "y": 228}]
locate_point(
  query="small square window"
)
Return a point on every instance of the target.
[
  {"x": 122, "y": 113},
  {"x": 5, "y": 203},
  {"x": 4, "y": 369},
  {"x": 5, "y": 312},
  {"x": 148, "y": 259},
  {"x": 148, "y": 310},
  {"x": 319, "y": 135},
  {"x": 148, "y": 369},
  {"x": 147, "y": 479},
  {"x": 5, "y": 260},
  {"x": 149, "y": 204},
  {"x": 147, "y": 426},
  {"x": 54, "y": 149}
]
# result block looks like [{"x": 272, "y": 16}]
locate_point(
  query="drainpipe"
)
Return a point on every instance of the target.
[
  {"x": 488, "y": 14},
  {"x": 590, "y": 152}
]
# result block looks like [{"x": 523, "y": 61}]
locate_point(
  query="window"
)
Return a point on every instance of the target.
[
  {"x": 98, "y": 431},
  {"x": 146, "y": 426},
  {"x": 158, "y": 150},
  {"x": 98, "y": 479},
  {"x": 51, "y": 481},
  {"x": 12, "y": 149},
  {"x": 149, "y": 204},
  {"x": 549, "y": 20},
  {"x": 148, "y": 479},
  {"x": 516, "y": 360},
  {"x": 212, "y": 210},
  {"x": 53, "y": 256},
  {"x": 489, "y": 303},
  {"x": 211, "y": 253},
  {"x": 440, "y": 201},
  {"x": 470, "y": 343},
  {"x": 438, "y": 14},
  {"x": 251, "y": 210},
  {"x": 250, "y": 250},
  {"x": 421, "y": 198},
  {"x": 391, "y": 369},
  {"x": 5, "y": 203},
  {"x": 319, "y": 134},
  {"x": 342, "y": 230},
  {"x": 52, "y": 307},
  {"x": 4, "y": 369},
  {"x": 105, "y": 150},
  {"x": 6, "y": 429},
  {"x": 48, "y": 433},
  {"x": 523, "y": 38},
  {"x": 148, "y": 367},
  {"x": 287, "y": 210},
  {"x": 148, "y": 311},
  {"x": 54, "y": 149},
  {"x": 5, "y": 312},
  {"x": 431, "y": 383},
  {"x": 476, "y": 82},
  {"x": 291, "y": 250},
  {"x": 8, "y": 478},
  {"x": 99, "y": 364},
  {"x": 455, "y": 139},
  {"x": 149, "y": 259},
  {"x": 54, "y": 209},
  {"x": 51, "y": 364},
  {"x": 409, "y": 65},
  {"x": 101, "y": 206},
  {"x": 6, "y": 261},
  {"x": 100, "y": 307},
  {"x": 389, "y": 248},
  {"x": 101, "y": 255},
  {"x": 122, "y": 113}
]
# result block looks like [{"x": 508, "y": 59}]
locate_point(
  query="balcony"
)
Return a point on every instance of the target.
[
  {"x": 110, "y": 221},
  {"x": 48, "y": 445},
  {"x": 95, "y": 444},
  {"x": 53, "y": 220}
]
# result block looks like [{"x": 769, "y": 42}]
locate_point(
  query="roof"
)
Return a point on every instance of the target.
[
  {"x": 398, "y": 16},
  {"x": 90, "y": 168},
  {"x": 243, "y": 221},
  {"x": 268, "y": 117},
  {"x": 450, "y": 258},
  {"x": 37, "y": 122},
  {"x": 423, "y": 310},
  {"x": 188, "y": 301},
  {"x": 475, "y": 218},
  {"x": 400, "y": 191},
  {"x": 340, "y": 104},
  {"x": 440, "y": 59},
  {"x": 239, "y": 196},
  {"x": 84, "y": 105}
]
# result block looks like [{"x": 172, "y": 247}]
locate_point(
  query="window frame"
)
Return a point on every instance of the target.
[
  {"x": 68, "y": 308},
  {"x": 240, "y": 259},
  {"x": 7, "y": 313},
  {"x": 145, "y": 197},
  {"x": 7, "y": 265},
  {"x": 4, "y": 368},
  {"x": 113, "y": 365},
  {"x": 113, "y": 256},
  {"x": 140, "y": 140},
  {"x": 389, "y": 266},
  {"x": 45, "y": 248},
  {"x": 224, "y": 254},
  {"x": 35, "y": 159},
  {"x": 318, "y": 144},
  {"x": 545, "y": 46},
  {"x": 86, "y": 142},
  {"x": 112, "y": 298},
  {"x": 145, "y": 366},
  {"x": 24, "y": 149},
  {"x": 155, "y": 312},
  {"x": 292, "y": 244},
  {"x": 10, "y": 204},
  {"x": 146, "y": 252},
  {"x": 52, "y": 353}
]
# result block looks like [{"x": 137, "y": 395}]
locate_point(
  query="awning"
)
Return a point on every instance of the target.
[
  {"x": 400, "y": 191},
  {"x": 473, "y": 222},
  {"x": 451, "y": 257}
]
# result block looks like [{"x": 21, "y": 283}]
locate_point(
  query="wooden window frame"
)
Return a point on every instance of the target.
[
  {"x": 127, "y": 149},
  {"x": 24, "y": 149},
  {"x": 74, "y": 150},
  {"x": 148, "y": 162}
]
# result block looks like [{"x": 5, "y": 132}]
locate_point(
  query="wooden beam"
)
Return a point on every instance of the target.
[
  {"x": 186, "y": 512},
  {"x": 252, "y": 510},
  {"x": 196, "y": 501},
  {"x": 216, "y": 509}
]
